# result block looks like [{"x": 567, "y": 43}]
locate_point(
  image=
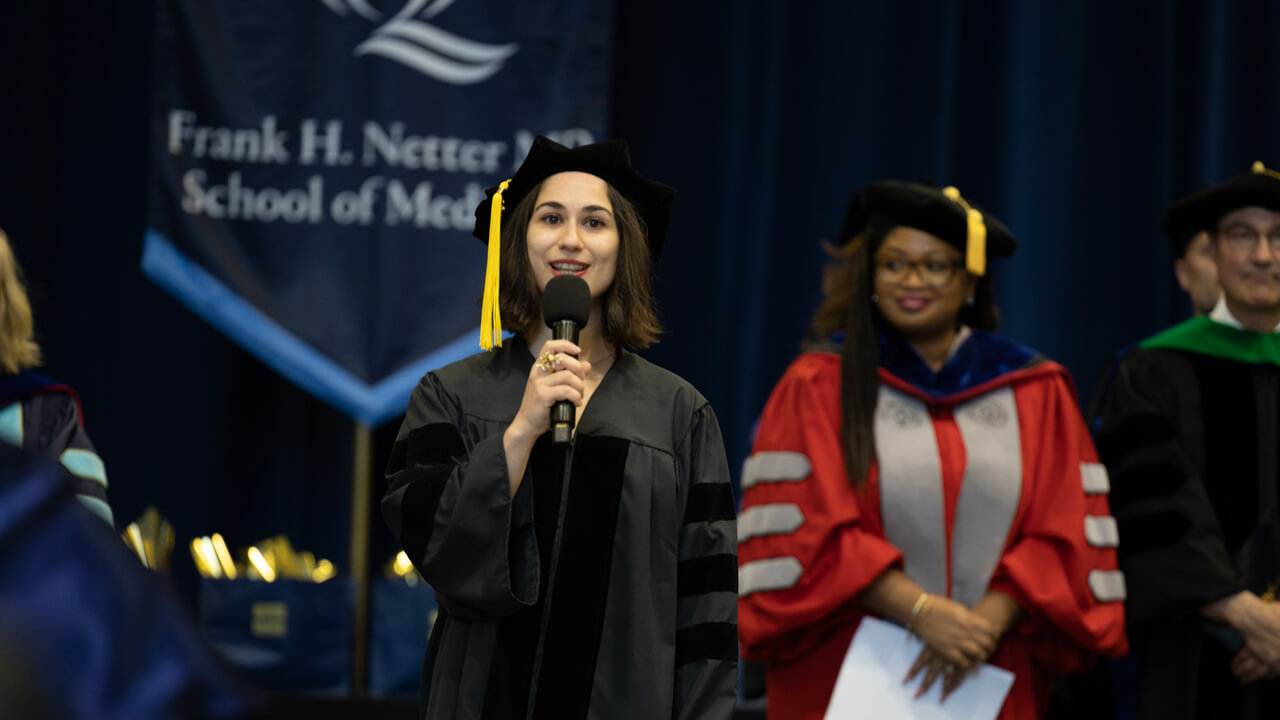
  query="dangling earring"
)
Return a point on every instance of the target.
[{"x": 969, "y": 301}]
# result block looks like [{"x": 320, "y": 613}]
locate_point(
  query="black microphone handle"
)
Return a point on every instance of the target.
[
  {"x": 563, "y": 413},
  {"x": 565, "y": 330}
]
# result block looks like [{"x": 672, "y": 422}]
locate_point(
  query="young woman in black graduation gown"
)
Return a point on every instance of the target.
[{"x": 598, "y": 582}]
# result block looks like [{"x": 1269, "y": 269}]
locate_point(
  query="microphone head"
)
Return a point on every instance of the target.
[{"x": 567, "y": 297}]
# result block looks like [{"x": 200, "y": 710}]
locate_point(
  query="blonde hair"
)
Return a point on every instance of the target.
[{"x": 18, "y": 348}]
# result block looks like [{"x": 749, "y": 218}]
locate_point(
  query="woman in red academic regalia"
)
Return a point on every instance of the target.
[{"x": 914, "y": 466}]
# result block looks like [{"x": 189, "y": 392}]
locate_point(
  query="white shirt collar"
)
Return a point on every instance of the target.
[
  {"x": 961, "y": 335},
  {"x": 1221, "y": 314}
]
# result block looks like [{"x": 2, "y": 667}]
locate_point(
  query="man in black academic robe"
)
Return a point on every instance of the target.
[{"x": 1190, "y": 434}]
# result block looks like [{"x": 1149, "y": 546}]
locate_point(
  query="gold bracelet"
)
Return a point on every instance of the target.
[{"x": 920, "y": 608}]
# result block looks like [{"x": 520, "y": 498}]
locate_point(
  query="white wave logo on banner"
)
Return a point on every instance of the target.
[{"x": 407, "y": 39}]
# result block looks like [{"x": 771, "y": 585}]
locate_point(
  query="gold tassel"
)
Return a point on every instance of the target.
[
  {"x": 976, "y": 241},
  {"x": 1260, "y": 169},
  {"x": 490, "y": 314}
]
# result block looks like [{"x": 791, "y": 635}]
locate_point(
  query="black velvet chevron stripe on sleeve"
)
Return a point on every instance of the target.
[
  {"x": 431, "y": 443},
  {"x": 713, "y": 573},
  {"x": 1157, "y": 478},
  {"x": 707, "y": 641},
  {"x": 422, "y": 464},
  {"x": 709, "y": 502},
  {"x": 1155, "y": 530}
]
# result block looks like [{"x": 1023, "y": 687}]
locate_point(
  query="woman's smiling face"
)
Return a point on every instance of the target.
[
  {"x": 920, "y": 282},
  {"x": 573, "y": 231}
]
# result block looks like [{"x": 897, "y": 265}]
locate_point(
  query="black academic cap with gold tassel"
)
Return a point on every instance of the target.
[
  {"x": 1201, "y": 210},
  {"x": 944, "y": 213},
  {"x": 609, "y": 161}
]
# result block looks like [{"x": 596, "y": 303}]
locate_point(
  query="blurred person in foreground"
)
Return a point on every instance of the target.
[
  {"x": 1190, "y": 432},
  {"x": 914, "y": 466},
  {"x": 596, "y": 582},
  {"x": 37, "y": 413},
  {"x": 92, "y": 633}
]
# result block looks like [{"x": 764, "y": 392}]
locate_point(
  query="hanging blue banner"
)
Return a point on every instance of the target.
[{"x": 315, "y": 167}]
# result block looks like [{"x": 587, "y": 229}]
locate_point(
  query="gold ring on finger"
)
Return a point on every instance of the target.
[{"x": 547, "y": 362}]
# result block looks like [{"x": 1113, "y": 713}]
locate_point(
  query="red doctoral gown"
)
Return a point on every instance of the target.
[{"x": 994, "y": 487}]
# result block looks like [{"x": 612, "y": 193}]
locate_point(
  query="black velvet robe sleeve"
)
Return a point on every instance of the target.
[
  {"x": 707, "y": 623},
  {"x": 447, "y": 506},
  {"x": 1172, "y": 547}
]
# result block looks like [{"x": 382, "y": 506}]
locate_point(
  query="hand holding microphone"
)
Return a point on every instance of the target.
[
  {"x": 566, "y": 305},
  {"x": 556, "y": 384}
]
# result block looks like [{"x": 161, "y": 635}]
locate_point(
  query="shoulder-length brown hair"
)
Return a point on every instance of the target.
[
  {"x": 846, "y": 305},
  {"x": 18, "y": 348},
  {"x": 630, "y": 313}
]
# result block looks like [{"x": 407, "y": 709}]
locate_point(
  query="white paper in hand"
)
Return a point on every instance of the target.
[{"x": 870, "y": 682}]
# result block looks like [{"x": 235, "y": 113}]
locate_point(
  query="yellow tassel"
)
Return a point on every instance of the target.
[
  {"x": 975, "y": 260},
  {"x": 490, "y": 314},
  {"x": 1260, "y": 169},
  {"x": 976, "y": 252}
]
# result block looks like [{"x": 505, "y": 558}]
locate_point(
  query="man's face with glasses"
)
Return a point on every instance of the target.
[{"x": 1246, "y": 249}]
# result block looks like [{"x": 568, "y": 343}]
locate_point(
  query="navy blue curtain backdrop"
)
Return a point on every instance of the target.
[{"x": 1076, "y": 123}]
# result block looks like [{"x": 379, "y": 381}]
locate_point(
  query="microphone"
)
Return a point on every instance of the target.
[{"x": 566, "y": 305}]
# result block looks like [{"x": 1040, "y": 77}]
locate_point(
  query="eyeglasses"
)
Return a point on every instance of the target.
[
  {"x": 1243, "y": 239},
  {"x": 933, "y": 272}
]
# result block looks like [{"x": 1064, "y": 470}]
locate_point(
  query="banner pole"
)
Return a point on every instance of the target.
[{"x": 361, "y": 493}]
